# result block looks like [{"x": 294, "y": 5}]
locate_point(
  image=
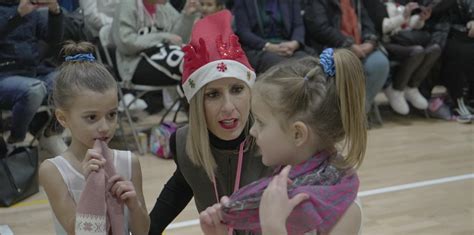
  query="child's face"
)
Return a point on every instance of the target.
[
  {"x": 276, "y": 145},
  {"x": 209, "y": 7},
  {"x": 93, "y": 115},
  {"x": 227, "y": 107}
]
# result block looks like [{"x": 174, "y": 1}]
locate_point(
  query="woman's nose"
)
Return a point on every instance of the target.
[{"x": 228, "y": 106}]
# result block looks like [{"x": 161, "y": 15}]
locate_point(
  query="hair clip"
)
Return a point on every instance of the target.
[
  {"x": 326, "y": 59},
  {"x": 81, "y": 57}
]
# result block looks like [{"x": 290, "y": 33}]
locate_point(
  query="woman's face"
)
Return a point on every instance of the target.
[{"x": 227, "y": 107}]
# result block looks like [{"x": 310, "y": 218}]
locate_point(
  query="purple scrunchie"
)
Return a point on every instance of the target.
[
  {"x": 326, "y": 59},
  {"x": 81, "y": 57}
]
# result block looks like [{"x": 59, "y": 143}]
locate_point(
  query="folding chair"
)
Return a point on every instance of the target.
[
  {"x": 4, "y": 114},
  {"x": 129, "y": 85}
]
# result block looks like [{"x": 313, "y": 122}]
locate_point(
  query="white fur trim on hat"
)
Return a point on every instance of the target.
[{"x": 216, "y": 70}]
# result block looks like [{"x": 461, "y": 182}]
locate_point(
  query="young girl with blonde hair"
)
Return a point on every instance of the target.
[{"x": 302, "y": 110}]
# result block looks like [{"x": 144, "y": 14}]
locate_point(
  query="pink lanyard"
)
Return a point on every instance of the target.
[{"x": 237, "y": 177}]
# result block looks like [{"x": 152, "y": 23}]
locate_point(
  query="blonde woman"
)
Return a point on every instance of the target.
[{"x": 215, "y": 154}]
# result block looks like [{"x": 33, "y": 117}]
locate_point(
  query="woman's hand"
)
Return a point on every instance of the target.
[
  {"x": 273, "y": 218},
  {"x": 409, "y": 8},
  {"x": 210, "y": 219},
  {"x": 290, "y": 47},
  {"x": 93, "y": 161},
  {"x": 125, "y": 191},
  {"x": 358, "y": 50},
  {"x": 367, "y": 48},
  {"x": 175, "y": 40},
  {"x": 275, "y": 48},
  {"x": 470, "y": 27},
  {"x": 25, "y": 7},
  {"x": 425, "y": 13}
]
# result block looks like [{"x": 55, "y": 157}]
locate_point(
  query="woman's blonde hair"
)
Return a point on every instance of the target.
[
  {"x": 198, "y": 146},
  {"x": 333, "y": 107}
]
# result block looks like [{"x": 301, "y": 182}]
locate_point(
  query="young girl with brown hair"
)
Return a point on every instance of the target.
[{"x": 90, "y": 187}]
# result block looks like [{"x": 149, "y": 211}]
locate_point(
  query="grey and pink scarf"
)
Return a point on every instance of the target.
[
  {"x": 331, "y": 191},
  {"x": 98, "y": 211}
]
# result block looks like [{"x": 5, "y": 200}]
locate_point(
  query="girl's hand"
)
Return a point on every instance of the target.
[
  {"x": 210, "y": 220},
  {"x": 191, "y": 7},
  {"x": 92, "y": 162},
  {"x": 125, "y": 191},
  {"x": 273, "y": 218}
]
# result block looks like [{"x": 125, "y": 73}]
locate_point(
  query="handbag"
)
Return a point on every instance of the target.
[
  {"x": 160, "y": 139},
  {"x": 18, "y": 173},
  {"x": 161, "y": 133},
  {"x": 411, "y": 38}
]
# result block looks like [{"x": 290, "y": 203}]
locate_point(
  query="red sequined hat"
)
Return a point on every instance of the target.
[{"x": 213, "y": 53}]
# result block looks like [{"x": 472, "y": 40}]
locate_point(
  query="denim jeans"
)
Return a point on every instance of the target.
[
  {"x": 376, "y": 67},
  {"x": 23, "y": 96}
]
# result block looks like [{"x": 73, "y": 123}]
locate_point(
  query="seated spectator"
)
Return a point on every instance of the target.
[
  {"x": 346, "y": 25},
  {"x": 97, "y": 14},
  {"x": 211, "y": 6},
  {"x": 458, "y": 58},
  {"x": 148, "y": 35},
  {"x": 24, "y": 80},
  {"x": 270, "y": 31},
  {"x": 408, "y": 44}
]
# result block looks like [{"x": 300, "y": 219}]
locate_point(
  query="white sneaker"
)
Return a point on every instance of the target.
[
  {"x": 138, "y": 104},
  {"x": 397, "y": 101},
  {"x": 415, "y": 98},
  {"x": 53, "y": 144}
]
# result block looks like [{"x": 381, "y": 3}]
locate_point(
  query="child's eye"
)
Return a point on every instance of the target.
[
  {"x": 112, "y": 115},
  {"x": 91, "y": 117}
]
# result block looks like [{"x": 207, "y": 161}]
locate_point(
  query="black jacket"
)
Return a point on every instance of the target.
[
  {"x": 248, "y": 28},
  {"x": 322, "y": 19}
]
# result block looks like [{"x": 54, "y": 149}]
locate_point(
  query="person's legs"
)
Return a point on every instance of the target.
[
  {"x": 376, "y": 67},
  {"x": 23, "y": 96},
  {"x": 45, "y": 123},
  {"x": 432, "y": 53},
  {"x": 457, "y": 66},
  {"x": 41, "y": 119},
  {"x": 410, "y": 58}
]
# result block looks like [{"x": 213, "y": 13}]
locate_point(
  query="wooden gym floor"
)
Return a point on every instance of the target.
[{"x": 417, "y": 178}]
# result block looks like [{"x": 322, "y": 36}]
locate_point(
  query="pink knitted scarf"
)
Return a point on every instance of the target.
[
  {"x": 331, "y": 192},
  {"x": 98, "y": 212}
]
